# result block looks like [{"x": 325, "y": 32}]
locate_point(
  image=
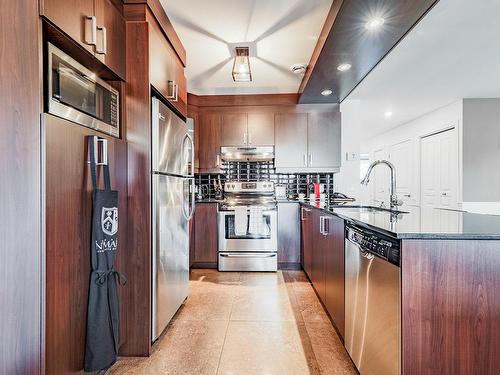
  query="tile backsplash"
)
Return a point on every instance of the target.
[{"x": 294, "y": 183}]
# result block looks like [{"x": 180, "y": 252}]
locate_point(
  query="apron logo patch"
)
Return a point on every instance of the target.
[{"x": 109, "y": 220}]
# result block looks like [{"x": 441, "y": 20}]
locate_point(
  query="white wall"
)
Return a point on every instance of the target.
[
  {"x": 347, "y": 180},
  {"x": 352, "y": 142}
]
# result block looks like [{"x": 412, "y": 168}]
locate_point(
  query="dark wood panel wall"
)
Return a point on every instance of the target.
[
  {"x": 137, "y": 102},
  {"x": 20, "y": 225},
  {"x": 450, "y": 307}
]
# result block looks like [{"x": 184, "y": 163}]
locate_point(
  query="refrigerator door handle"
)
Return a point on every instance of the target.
[
  {"x": 191, "y": 189},
  {"x": 191, "y": 172}
]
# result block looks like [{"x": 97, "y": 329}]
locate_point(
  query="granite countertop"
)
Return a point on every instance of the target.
[{"x": 417, "y": 222}]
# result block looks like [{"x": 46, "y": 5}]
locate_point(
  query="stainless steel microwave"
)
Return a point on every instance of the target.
[{"x": 76, "y": 94}]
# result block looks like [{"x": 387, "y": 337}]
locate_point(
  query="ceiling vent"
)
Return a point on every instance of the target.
[{"x": 298, "y": 68}]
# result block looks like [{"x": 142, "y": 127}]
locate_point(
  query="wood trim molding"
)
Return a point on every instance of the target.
[
  {"x": 242, "y": 100},
  {"x": 325, "y": 31},
  {"x": 166, "y": 25}
]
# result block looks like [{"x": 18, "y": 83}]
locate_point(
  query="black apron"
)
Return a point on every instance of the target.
[{"x": 101, "y": 347}]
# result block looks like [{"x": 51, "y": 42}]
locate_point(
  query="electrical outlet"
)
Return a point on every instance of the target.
[{"x": 351, "y": 156}]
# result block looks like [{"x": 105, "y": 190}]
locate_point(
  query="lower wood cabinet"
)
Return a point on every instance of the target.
[
  {"x": 334, "y": 270},
  {"x": 306, "y": 239},
  {"x": 205, "y": 235},
  {"x": 323, "y": 259}
]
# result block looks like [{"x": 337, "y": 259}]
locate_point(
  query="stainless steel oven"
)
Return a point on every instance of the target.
[
  {"x": 75, "y": 93},
  {"x": 250, "y": 249}
]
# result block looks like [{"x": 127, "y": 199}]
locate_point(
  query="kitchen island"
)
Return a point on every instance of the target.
[{"x": 449, "y": 282}]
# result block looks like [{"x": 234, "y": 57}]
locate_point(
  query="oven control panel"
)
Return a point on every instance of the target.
[{"x": 249, "y": 187}]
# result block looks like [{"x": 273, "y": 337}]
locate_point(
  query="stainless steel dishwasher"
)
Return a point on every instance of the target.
[{"x": 372, "y": 301}]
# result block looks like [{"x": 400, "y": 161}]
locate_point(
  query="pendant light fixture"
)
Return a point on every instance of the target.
[{"x": 241, "y": 66}]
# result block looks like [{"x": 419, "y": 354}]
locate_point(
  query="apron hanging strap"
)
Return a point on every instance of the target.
[
  {"x": 93, "y": 165},
  {"x": 93, "y": 171}
]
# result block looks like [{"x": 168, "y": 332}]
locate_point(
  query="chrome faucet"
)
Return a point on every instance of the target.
[{"x": 394, "y": 201}]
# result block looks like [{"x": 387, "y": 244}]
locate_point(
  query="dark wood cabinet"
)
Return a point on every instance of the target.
[
  {"x": 261, "y": 129},
  {"x": 248, "y": 129},
  {"x": 334, "y": 270},
  {"x": 324, "y": 140},
  {"x": 291, "y": 140},
  {"x": 323, "y": 260},
  {"x": 318, "y": 254},
  {"x": 71, "y": 17},
  {"x": 68, "y": 199},
  {"x": 288, "y": 235},
  {"x": 307, "y": 240},
  {"x": 209, "y": 139},
  {"x": 97, "y": 25},
  {"x": 111, "y": 50},
  {"x": 166, "y": 69},
  {"x": 205, "y": 235},
  {"x": 234, "y": 129}
]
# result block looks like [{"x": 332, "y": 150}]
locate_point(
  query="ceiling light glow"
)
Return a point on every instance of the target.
[
  {"x": 388, "y": 114},
  {"x": 374, "y": 23},
  {"x": 343, "y": 67},
  {"x": 326, "y": 92}
]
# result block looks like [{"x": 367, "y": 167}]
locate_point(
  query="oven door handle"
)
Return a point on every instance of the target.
[{"x": 247, "y": 255}]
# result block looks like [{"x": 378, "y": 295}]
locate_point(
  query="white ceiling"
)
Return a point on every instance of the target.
[
  {"x": 281, "y": 32},
  {"x": 453, "y": 53}
]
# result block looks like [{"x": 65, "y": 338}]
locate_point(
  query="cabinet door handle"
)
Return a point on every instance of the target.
[
  {"x": 245, "y": 138},
  {"x": 176, "y": 92},
  {"x": 217, "y": 161},
  {"x": 170, "y": 90},
  {"x": 322, "y": 225},
  {"x": 101, "y": 45},
  {"x": 302, "y": 210},
  {"x": 305, "y": 160},
  {"x": 310, "y": 160},
  {"x": 90, "y": 30}
]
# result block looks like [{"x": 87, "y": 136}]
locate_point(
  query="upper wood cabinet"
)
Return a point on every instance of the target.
[
  {"x": 261, "y": 129},
  {"x": 324, "y": 140},
  {"x": 209, "y": 134},
  {"x": 290, "y": 140},
  {"x": 72, "y": 17},
  {"x": 248, "y": 129},
  {"x": 111, "y": 27},
  {"x": 166, "y": 69},
  {"x": 333, "y": 244},
  {"x": 97, "y": 25},
  {"x": 235, "y": 129},
  {"x": 307, "y": 142}
]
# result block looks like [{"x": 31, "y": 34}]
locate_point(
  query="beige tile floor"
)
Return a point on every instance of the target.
[{"x": 246, "y": 323}]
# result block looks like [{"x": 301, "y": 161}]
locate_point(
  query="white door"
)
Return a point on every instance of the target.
[
  {"x": 381, "y": 181},
  {"x": 439, "y": 179},
  {"x": 401, "y": 156}
]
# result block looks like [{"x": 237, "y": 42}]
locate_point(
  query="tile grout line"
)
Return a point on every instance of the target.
[{"x": 227, "y": 329}]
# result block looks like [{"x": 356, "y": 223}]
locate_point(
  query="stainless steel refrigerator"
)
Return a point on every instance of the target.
[{"x": 172, "y": 208}]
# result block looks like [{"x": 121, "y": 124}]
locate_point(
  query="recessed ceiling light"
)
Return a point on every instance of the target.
[
  {"x": 326, "y": 92},
  {"x": 343, "y": 67},
  {"x": 388, "y": 114},
  {"x": 374, "y": 23}
]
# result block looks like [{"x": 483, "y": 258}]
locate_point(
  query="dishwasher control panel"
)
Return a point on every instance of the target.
[{"x": 376, "y": 243}]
